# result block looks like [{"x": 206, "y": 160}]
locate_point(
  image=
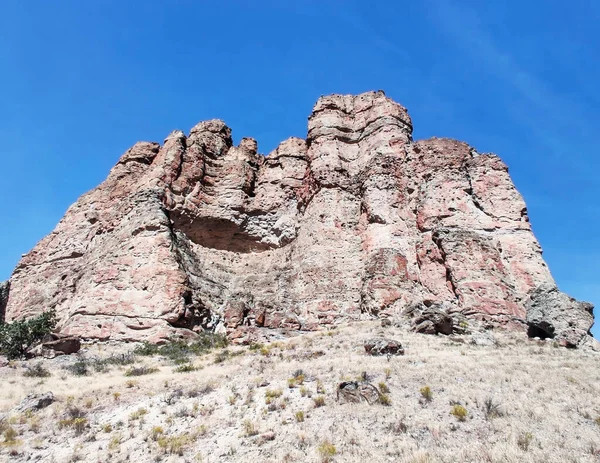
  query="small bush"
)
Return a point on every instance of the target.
[
  {"x": 524, "y": 440},
  {"x": 273, "y": 393},
  {"x": 139, "y": 413},
  {"x": 20, "y": 335},
  {"x": 140, "y": 371},
  {"x": 384, "y": 399},
  {"x": 320, "y": 388},
  {"x": 146, "y": 349},
  {"x": 250, "y": 428},
  {"x": 156, "y": 432},
  {"x": 36, "y": 371},
  {"x": 319, "y": 401},
  {"x": 300, "y": 416},
  {"x": 79, "y": 368},
  {"x": 426, "y": 393},
  {"x": 222, "y": 356},
  {"x": 491, "y": 409},
  {"x": 459, "y": 412},
  {"x": 327, "y": 450},
  {"x": 185, "y": 368},
  {"x": 77, "y": 423},
  {"x": 174, "y": 444},
  {"x": 399, "y": 427},
  {"x": 10, "y": 435},
  {"x": 383, "y": 388}
]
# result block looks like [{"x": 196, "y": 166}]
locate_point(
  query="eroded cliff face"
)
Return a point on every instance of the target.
[{"x": 357, "y": 220}]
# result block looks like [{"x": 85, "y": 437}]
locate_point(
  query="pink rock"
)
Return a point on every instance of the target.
[{"x": 355, "y": 221}]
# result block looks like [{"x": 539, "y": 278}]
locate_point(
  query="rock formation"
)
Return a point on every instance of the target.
[
  {"x": 4, "y": 287},
  {"x": 355, "y": 221}
]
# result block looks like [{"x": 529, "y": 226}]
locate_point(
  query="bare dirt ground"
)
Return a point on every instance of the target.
[{"x": 525, "y": 401}]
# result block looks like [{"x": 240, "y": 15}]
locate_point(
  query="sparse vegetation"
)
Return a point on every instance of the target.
[
  {"x": 156, "y": 432},
  {"x": 174, "y": 444},
  {"x": 79, "y": 368},
  {"x": 158, "y": 417},
  {"x": 185, "y": 368},
  {"x": 459, "y": 412},
  {"x": 319, "y": 401},
  {"x": 180, "y": 351},
  {"x": 141, "y": 371},
  {"x": 524, "y": 440},
  {"x": 139, "y": 413},
  {"x": 327, "y": 451},
  {"x": 384, "y": 399},
  {"x": 383, "y": 388},
  {"x": 491, "y": 409},
  {"x": 426, "y": 393},
  {"x": 273, "y": 393},
  {"x": 37, "y": 371},
  {"x": 250, "y": 428}
]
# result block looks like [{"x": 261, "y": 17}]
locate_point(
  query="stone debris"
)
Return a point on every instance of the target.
[
  {"x": 381, "y": 346},
  {"x": 357, "y": 391}
]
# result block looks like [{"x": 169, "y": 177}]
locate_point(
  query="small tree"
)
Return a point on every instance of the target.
[{"x": 20, "y": 335}]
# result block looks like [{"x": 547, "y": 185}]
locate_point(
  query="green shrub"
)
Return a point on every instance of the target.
[
  {"x": 459, "y": 412},
  {"x": 250, "y": 428},
  {"x": 20, "y": 335},
  {"x": 79, "y": 368},
  {"x": 185, "y": 368},
  {"x": 36, "y": 371},
  {"x": 319, "y": 401},
  {"x": 383, "y": 388},
  {"x": 426, "y": 393},
  {"x": 179, "y": 351},
  {"x": 327, "y": 450}
]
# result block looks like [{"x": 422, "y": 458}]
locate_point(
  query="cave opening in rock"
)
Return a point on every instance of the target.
[
  {"x": 220, "y": 234},
  {"x": 542, "y": 331}
]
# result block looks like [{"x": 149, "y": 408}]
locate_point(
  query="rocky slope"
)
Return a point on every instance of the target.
[{"x": 355, "y": 221}]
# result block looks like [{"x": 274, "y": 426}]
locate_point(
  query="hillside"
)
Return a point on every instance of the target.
[{"x": 525, "y": 401}]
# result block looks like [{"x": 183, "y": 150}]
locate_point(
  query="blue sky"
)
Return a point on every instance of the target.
[{"x": 83, "y": 81}]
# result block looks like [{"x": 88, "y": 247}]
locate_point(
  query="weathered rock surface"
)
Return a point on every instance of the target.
[
  {"x": 357, "y": 391},
  {"x": 355, "y": 221},
  {"x": 35, "y": 402},
  {"x": 54, "y": 345},
  {"x": 4, "y": 288},
  {"x": 430, "y": 320},
  {"x": 552, "y": 314},
  {"x": 381, "y": 346}
]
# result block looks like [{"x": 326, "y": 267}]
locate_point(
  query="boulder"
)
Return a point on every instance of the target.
[
  {"x": 553, "y": 314},
  {"x": 382, "y": 346},
  {"x": 35, "y": 402},
  {"x": 357, "y": 391},
  {"x": 429, "y": 319},
  {"x": 53, "y": 345}
]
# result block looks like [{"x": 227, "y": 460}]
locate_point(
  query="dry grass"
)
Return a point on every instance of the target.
[{"x": 524, "y": 402}]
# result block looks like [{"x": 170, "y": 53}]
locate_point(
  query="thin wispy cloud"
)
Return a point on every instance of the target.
[{"x": 549, "y": 115}]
